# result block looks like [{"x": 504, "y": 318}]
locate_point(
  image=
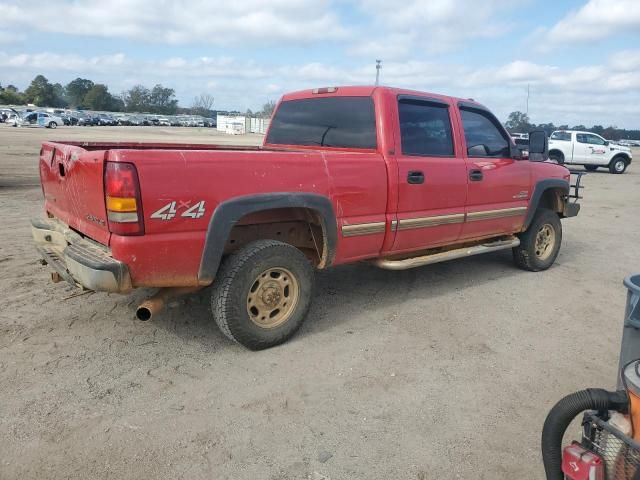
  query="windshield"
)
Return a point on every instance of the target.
[{"x": 347, "y": 122}]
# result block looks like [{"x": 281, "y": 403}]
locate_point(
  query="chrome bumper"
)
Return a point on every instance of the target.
[{"x": 79, "y": 261}]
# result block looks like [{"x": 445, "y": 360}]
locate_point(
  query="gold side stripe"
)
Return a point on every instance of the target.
[
  {"x": 491, "y": 214},
  {"x": 410, "y": 223},
  {"x": 423, "y": 222},
  {"x": 363, "y": 229}
]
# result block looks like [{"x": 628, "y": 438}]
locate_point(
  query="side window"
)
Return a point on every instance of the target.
[
  {"x": 594, "y": 140},
  {"x": 581, "y": 138},
  {"x": 482, "y": 135},
  {"x": 564, "y": 136},
  {"x": 425, "y": 128}
]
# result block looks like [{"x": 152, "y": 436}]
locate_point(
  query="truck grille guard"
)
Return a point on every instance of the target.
[{"x": 574, "y": 190}]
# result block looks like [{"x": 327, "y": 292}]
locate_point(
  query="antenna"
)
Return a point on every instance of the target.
[{"x": 378, "y": 67}]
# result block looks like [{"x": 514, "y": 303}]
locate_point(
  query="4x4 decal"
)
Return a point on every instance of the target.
[{"x": 170, "y": 210}]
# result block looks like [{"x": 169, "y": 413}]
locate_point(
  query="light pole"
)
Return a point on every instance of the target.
[{"x": 378, "y": 67}]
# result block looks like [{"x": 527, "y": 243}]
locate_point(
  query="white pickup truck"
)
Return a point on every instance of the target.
[{"x": 588, "y": 149}]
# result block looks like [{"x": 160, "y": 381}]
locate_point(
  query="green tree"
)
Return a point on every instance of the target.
[
  {"x": 137, "y": 99},
  {"x": 59, "y": 100},
  {"x": 163, "y": 100},
  {"x": 40, "y": 92},
  {"x": 11, "y": 96},
  {"x": 76, "y": 90},
  {"x": 518, "y": 122},
  {"x": 98, "y": 98}
]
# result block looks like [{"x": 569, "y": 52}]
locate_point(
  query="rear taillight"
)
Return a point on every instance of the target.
[{"x": 122, "y": 198}]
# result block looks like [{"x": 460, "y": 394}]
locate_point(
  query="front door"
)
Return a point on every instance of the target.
[
  {"x": 499, "y": 185},
  {"x": 432, "y": 176},
  {"x": 589, "y": 149}
]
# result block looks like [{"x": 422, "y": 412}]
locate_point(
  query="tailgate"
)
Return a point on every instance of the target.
[{"x": 73, "y": 187}]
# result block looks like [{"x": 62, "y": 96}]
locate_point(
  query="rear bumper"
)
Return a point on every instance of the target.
[{"x": 79, "y": 261}]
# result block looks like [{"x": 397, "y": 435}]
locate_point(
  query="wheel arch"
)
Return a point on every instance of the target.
[
  {"x": 622, "y": 155},
  {"x": 548, "y": 193},
  {"x": 558, "y": 151},
  {"x": 229, "y": 215}
]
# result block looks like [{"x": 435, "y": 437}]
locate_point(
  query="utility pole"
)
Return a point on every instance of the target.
[{"x": 378, "y": 67}]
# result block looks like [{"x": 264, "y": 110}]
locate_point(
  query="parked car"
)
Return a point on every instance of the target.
[
  {"x": 106, "y": 120},
  {"x": 459, "y": 187},
  {"x": 40, "y": 119},
  {"x": 164, "y": 121},
  {"x": 572, "y": 147}
]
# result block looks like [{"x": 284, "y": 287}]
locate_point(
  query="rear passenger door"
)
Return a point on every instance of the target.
[
  {"x": 499, "y": 185},
  {"x": 432, "y": 176}
]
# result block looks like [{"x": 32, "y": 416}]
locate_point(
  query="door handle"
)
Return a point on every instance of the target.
[
  {"x": 475, "y": 175},
  {"x": 415, "y": 177}
]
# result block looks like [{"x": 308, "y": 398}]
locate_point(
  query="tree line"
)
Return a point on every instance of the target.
[
  {"x": 518, "y": 122},
  {"x": 83, "y": 93}
]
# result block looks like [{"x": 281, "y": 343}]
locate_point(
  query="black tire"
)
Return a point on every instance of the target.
[
  {"x": 528, "y": 255},
  {"x": 618, "y": 165},
  {"x": 53, "y": 124},
  {"x": 236, "y": 281},
  {"x": 556, "y": 157},
  {"x": 591, "y": 168}
]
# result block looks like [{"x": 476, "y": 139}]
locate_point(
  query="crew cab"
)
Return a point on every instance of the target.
[
  {"x": 574, "y": 147},
  {"x": 394, "y": 177}
]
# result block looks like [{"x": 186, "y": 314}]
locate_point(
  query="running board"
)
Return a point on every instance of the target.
[{"x": 449, "y": 255}]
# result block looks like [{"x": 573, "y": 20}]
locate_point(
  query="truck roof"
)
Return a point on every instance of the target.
[
  {"x": 575, "y": 131},
  {"x": 367, "y": 91}
]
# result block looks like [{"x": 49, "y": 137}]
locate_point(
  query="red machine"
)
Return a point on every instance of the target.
[{"x": 610, "y": 446}]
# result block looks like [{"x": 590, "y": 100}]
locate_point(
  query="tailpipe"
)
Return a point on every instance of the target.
[{"x": 153, "y": 305}]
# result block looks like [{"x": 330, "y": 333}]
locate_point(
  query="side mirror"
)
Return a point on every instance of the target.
[
  {"x": 478, "y": 151},
  {"x": 606, "y": 143},
  {"x": 538, "y": 146}
]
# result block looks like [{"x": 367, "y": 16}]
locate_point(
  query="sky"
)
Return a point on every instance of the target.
[{"x": 580, "y": 59}]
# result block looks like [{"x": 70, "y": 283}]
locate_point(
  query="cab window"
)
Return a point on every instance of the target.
[
  {"x": 425, "y": 128},
  {"x": 482, "y": 135}
]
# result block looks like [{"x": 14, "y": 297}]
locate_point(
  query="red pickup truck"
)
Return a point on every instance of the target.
[{"x": 394, "y": 177}]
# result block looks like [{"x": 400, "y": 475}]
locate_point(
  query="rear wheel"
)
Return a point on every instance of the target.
[
  {"x": 262, "y": 294},
  {"x": 618, "y": 165},
  {"x": 540, "y": 244},
  {"x": 591, "y": 168},
  {"x": 53, "y": 124}
]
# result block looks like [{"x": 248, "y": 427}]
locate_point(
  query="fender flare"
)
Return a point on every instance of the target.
[
  {"x": 229, "y": 212},
  {"x": 539, "y": 189},
  {"x": 625, "y": 155}
]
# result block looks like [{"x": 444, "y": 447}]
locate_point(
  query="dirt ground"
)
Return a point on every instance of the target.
[{"x": 435, "y": 373}]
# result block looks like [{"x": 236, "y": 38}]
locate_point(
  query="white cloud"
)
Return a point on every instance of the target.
[
  {"x": 597, "y": 94},
  {"x": 595, "y": 20},
  {"x": 181, "y": 22},
  {"x": 434, "y": 26}
]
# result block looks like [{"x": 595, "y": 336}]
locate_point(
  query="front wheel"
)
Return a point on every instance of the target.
[
  {"x": 540, "y": 243},
  {"x": 618, "y": 165},
  {"x": 262, "y": 294}
]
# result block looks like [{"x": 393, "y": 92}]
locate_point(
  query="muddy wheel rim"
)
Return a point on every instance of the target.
[
  {"x": 545, "y": 240},
  {"x": 273, "y": 297}
]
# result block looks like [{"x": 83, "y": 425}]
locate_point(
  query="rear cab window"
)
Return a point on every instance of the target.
[
  {"x": 343, "y": 122},
  {"x": 425, "y": 128}
]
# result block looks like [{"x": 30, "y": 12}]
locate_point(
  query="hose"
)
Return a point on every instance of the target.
[{"x": 561, "y": 416}]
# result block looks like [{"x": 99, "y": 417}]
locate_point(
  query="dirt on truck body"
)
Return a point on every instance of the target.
[{"x": 394, "y": 177}]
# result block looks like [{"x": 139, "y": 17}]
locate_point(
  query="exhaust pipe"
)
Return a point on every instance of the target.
[{"x": 155, "y": 303}]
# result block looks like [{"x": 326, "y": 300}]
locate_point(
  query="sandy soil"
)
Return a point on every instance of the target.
[{"x": 440, "y": 372}]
